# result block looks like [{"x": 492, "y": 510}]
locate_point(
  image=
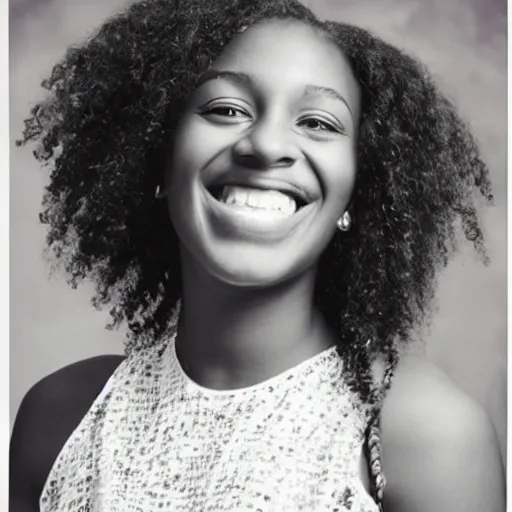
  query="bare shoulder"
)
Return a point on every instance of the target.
[
  {"x": 439, "y": 448},
  {"x": 47, "y": 416}
]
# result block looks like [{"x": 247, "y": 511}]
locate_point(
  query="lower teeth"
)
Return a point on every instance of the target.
[{"x": 259, "y": 208}]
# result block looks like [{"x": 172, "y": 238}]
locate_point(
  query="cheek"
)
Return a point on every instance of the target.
[
  {"x": 183, "y": 159},
  {"x": 185, "y": 155},
  {"x": 188, "y": 158},
  {"x": 196, "y": 144},
  {"x": 338, "y": 173}
]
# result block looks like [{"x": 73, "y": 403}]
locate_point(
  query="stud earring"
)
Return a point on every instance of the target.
[
  {"x": 344, "y": 222},
  {"x": 159, "y": 193}
]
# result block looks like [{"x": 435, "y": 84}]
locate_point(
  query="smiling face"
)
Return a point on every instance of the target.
[{"x": 264, "y": 158}]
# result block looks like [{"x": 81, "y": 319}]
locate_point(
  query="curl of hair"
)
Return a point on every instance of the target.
[
  {"x": 419, "y": 175},
  {"x": 104, "y": 129},
  {"x": 103, "y": 132}
]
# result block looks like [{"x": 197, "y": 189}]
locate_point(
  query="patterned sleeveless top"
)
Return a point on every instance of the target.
[{"x": 154, "y": 440}]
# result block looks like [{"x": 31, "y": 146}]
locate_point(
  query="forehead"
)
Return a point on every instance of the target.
[{"x": 282, "y": 51}]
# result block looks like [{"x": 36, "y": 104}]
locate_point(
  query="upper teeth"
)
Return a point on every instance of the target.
[{"x": 257, "y": 198}]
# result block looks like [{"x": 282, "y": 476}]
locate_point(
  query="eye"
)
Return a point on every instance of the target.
[
  {"x": 225, "y": 113},
  {"x": 318, "y": 124}
]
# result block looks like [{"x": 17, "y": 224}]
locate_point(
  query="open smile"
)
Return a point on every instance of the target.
[
  {"x": 258, "y": 209},
  {"x": 256, "y": 199}
]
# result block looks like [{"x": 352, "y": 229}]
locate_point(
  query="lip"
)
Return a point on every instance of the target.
[
  {"x": 247, "y": 224},
  {"x": 297, "y": 192}
]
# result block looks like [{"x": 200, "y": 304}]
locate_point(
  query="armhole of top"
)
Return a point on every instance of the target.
[{"x": 107, "y": 387}]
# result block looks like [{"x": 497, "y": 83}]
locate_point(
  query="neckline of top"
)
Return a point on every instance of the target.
[{"x": 290, "y": 373}]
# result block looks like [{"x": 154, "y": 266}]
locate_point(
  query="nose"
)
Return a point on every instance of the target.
[{"x": 268, "y": 143}]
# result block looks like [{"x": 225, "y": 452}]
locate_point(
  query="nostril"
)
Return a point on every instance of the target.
[
  {"x": 282, "y": 162},
  {"x": 250, "y": 160}
]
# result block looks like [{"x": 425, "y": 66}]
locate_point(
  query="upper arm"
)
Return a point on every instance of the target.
[
  {"x": 440, "y": 452},
  {"x": 23, "y": 450},
  {"x": 47, "y": 416}
]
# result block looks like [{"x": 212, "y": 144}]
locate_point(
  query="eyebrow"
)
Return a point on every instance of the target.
[
  {"x": 232, "y": 76},
  {"x": 246, "y": 80},
  {"x": 313, "y": 90}
]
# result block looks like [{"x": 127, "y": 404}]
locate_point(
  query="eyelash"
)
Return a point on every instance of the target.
[
  {"x": 325, "y": 125},
  {"x": 220, "y": 110}
]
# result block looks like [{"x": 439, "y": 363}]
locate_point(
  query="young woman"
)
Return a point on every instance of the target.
[{"x": 309, "y": 179}]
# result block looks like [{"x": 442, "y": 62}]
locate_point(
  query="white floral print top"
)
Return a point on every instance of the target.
[{"x": 154, "y": 441}]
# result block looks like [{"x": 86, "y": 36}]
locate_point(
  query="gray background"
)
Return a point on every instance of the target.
[{"x": 464, "y": 44}]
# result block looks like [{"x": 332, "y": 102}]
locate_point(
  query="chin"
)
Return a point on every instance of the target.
[{"x": 252, "y": 271}]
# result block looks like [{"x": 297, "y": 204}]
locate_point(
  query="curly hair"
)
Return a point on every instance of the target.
[{"x": 104, "y": 129}]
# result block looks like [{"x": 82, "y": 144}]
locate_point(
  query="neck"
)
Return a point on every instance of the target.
[{"x": 232, "y": 337}]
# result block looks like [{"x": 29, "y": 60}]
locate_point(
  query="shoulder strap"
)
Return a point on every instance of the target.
[{"x": 383, "y": 378}]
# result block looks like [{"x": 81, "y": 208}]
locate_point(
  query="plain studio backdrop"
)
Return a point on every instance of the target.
[{"x": 464, "y": 44}]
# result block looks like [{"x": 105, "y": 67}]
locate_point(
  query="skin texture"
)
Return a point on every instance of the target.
[
  {"x": 236, "y": 299},
  {"x": 266, "y": 130},
  {"x": 440, "y": 450},
  {"x": 239, "y": 282}
]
